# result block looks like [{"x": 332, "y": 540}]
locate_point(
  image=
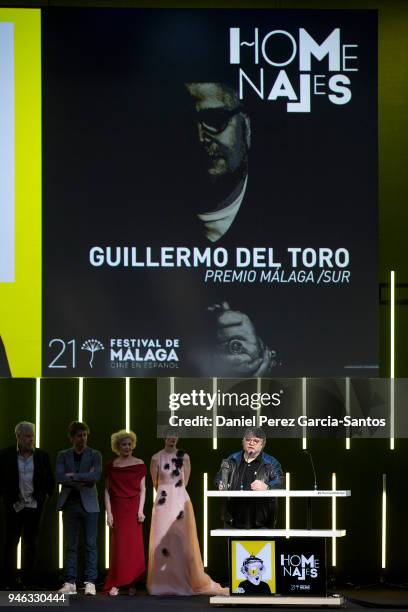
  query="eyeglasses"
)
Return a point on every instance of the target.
[
  {"x": 215, "y": 120},
  {"x": 253, "y": 441}
]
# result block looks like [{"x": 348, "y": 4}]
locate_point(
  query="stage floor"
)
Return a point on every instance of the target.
[{"x": 356, "y": 599}]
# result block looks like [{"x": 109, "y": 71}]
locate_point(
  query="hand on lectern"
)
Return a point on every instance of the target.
[{"x": 258, "y": 485}]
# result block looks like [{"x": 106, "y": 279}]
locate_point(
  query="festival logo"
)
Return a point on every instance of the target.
[{"x": 92, "y": 346}]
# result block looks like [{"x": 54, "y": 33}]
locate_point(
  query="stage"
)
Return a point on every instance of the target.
[{"x": 356, "y": 599}]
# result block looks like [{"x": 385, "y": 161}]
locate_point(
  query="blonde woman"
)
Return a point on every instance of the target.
[{"x": 125, "y": 494}]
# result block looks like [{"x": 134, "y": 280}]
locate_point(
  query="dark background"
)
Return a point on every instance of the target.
[{"x": 361, "y": 468}]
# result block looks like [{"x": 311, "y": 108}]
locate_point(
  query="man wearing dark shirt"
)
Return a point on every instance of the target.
[
  {"x": 250, "y": 470},
  {"x": 223, "y": 130},
  {"x": 26, "y": 483}
]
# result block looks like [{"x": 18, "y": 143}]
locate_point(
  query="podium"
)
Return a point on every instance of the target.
[{"x": 292, "y": 560}]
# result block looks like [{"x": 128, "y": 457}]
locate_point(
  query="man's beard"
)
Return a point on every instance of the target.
[{"x": 217, "y": 192}]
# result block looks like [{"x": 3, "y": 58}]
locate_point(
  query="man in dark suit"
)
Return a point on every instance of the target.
[{"x": 26, "y": 482}]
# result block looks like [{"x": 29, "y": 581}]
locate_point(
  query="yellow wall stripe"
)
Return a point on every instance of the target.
[{"x": 20, "y": 301}]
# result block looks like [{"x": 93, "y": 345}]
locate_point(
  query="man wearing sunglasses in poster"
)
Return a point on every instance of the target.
[{"x": 224, "y": 134}]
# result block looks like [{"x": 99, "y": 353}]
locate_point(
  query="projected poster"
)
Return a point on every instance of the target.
[{"x": 209, "y": 193}]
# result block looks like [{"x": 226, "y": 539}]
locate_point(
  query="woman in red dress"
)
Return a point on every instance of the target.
[{"x": 125, "y": 494}]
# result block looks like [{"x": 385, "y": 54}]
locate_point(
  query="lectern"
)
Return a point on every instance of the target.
[{"x": 278, "y": 566}]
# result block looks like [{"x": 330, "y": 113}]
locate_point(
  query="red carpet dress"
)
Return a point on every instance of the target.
[
  {"x": 175, "y": 564},
  {"x": 127, "y": 561}
]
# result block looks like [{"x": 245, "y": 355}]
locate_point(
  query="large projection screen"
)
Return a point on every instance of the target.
[{"x": 209, "y": 198}]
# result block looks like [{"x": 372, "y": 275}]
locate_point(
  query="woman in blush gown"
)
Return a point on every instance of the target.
[
  {"x": 125, "y": 494},
  {"x": 175, "y": 564}
]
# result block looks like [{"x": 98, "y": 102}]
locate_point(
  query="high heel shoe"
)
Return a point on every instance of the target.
[{"x": 114, "y": 591}]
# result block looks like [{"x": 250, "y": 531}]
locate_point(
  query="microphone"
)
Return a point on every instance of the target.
[
  {"x": 313, "y": 467},
  {"x": 225, "y": 472}
]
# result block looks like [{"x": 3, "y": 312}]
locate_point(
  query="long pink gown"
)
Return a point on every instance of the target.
[{"x": 175, "y": 564}]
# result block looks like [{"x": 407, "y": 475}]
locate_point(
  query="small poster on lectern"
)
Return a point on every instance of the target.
[
  {"x": 301, "y": 566},
  {"x": 252, "y": 567}
]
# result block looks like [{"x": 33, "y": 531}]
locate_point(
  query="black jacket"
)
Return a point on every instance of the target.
[
  {"x": 270, "y": 471},
  {"x": 251, "y": 513},
  {"x": 43, "y": 479}
]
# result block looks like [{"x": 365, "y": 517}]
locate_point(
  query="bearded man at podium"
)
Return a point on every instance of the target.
[{"x": 250, "y": 470}]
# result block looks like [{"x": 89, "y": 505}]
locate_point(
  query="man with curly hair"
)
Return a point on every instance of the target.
[
  {"x": 78, "y": 471},
  {"x": 250, "y": 469}
]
